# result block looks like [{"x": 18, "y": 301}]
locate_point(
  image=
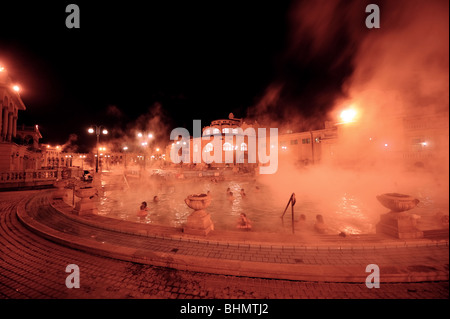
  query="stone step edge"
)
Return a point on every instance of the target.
[{"x": 322, "y": 273}]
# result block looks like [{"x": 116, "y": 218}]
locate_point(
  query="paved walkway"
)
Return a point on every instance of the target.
[{"x": 33, "y": 267}]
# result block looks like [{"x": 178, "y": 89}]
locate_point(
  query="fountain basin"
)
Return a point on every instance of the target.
[
  {"x": 199, "y": 222},
  {"x": 397, "y": 202},
  {"x": 198, "y": 201},
  {"x": 87, "y": 204}
]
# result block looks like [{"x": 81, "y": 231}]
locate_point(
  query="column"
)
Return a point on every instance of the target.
[
  {"x": 14, "y": 128},
  {"x": 5, "y": 123},
  {"x": 1, "y": 119},
  {"x": 10, "y": 117}
]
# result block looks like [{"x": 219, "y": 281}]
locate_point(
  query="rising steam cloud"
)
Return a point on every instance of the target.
[{"x": 395, "y": 72}]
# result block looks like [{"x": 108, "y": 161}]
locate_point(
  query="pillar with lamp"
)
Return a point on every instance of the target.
[
  {"x": 144, "y": 139},
  {"x": 97, "y": 129}
]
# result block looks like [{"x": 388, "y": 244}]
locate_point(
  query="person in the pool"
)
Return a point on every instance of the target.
[
  {"x": 143, "y": 211},
  {"x": 243, "y": 192},
  {"x": 244, "y": 222},
  {"x": 320, "y": 225},
  {"x": 230, "y": 196}
]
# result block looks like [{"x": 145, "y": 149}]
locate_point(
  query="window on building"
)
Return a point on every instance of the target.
[
  {"x": 306, "y": 140},
  {"x": 243, "y": 147},
  {"x": 216, "y": 131},
  {"x": 227, "y": 147},
  {"x": 294, "y": 142},
  {"x": 209, "y": 147},
  {"x": 207, "y": 132},
  {"x": 226, "y": 130},
  {"x": 317, "y": 139},
  {"x": 235, "y": 131}
]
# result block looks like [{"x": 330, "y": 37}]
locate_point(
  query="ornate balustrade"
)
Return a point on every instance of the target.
[{"x": 29, "y": 176}]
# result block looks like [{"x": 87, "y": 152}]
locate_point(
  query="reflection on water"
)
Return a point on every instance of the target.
[{"x": 346, "y": 213}]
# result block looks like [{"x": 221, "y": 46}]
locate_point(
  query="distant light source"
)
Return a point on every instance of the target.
[
  {"x": 157, "y": 149},
  {"x": 139, "y": 135},
  {"x": 16, "y": 88},
  {"x": 91, "y": 130},
  {"x": 386, "y": 145},
  {"x": 424, "y": 143},
  {"x": 150, "y": 135},
  {"x": 125, "y": 148},
  {"x": 105, "y": 131},
  {"x": 348, "y": 115},
  {"x": 2, "y": 68}
]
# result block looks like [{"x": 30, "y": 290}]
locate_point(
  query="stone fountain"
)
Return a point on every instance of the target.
[
  {"x": 198, "y": 222},
  {"x": 60, "y": 191},
  {"x": 87, "y": 204},
  {"x": 397, "y": 222}
]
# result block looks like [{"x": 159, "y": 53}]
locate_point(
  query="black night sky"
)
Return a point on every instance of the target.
[{"x": 198, "y": 60}]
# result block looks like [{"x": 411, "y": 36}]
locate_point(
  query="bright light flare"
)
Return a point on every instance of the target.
[
  {"x": 91, "y": 130},
  {"x": 105, "y": 131},
  {"x": 348, "y": 115},
  {"x": 2, "y": 68},
  {"x": 16, "y": 88}
]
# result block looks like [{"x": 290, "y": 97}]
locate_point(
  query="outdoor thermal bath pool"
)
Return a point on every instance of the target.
[
  {"x": 260, "y": 206},
  {"x": 345, "y": 212}
]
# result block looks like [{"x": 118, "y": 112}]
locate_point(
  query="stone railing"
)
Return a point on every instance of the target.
[{"x": 29, "y": 176}]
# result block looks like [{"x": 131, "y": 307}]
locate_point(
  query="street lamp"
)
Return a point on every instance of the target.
[
  {"x": 125, "y": 148},
  {"x": 348, "y": 115},
  {"x": 144, "y": 137},
  {"x": 97, "y": 130}
]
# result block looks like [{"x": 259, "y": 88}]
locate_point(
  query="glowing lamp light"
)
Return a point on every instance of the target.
[
  {"x": 105, "y": 131},
  {"x": 2, "y": 68},
  {"x": 157, "y": 149},
  {"x": 16, "y": 88},
  {"x": 150, "y": 135},
  {"x": 348, "y": 116},
  {"x": 91, "y": 130},
  {"x": 139, "y": 135},
  {"x": 125, "y": 148},
  {"x": 386, "y": 145}
]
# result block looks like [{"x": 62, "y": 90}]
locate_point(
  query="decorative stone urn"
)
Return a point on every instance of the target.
[
  {"x": 398, "y": 222},
  {"x": 87, "y": 204},
  {"x": 199, "y": 222},
  {"x": 60, "y": 191}
]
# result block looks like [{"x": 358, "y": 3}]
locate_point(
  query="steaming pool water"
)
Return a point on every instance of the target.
[{"x": 349, "y": 213}]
